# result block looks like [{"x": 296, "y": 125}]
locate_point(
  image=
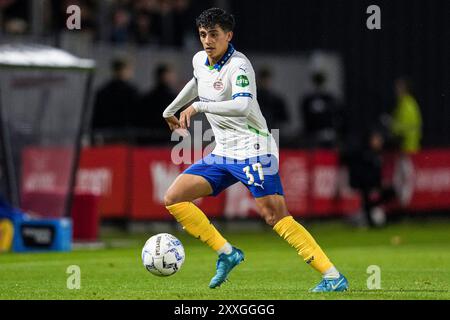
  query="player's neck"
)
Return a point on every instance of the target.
[{"x": 214, "y": 60}]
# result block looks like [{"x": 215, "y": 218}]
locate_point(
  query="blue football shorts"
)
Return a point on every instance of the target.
[{"x": 259, "y": 174}]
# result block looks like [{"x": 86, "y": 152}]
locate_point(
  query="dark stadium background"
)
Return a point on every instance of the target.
[{"x": 413, "y": 40}]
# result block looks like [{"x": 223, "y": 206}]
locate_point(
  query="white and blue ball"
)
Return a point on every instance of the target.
[{"x": 163, "y": 255}]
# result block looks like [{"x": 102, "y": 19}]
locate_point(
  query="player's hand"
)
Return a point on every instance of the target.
[
  {"x": 174, "y": 126},
  {"x": 185, "y": 117},
  {"x": 172, "y": 122}
]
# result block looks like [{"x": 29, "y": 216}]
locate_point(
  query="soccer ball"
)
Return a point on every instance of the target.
[{"x": 163, "y": 255}]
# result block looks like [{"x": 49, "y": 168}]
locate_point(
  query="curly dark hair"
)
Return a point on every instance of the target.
[{"x": 209, "y": 18}]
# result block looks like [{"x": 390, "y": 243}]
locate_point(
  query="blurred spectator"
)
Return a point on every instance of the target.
[
  {"x": 144, "y": 29},
  {"x": 114, "y": 105},
  {"x": 121, "y": 26},
  {"x": 14, "y": 16},
  {"x": 183, "y": 22},
  {"x": 152, "y": 104},
  {"x": 167, "y": 23},
  {"x": 146, "y": 22},
  {"x": 319, "y": 112},
  {"x": 273, "y": 107},
  {"x": 365, "y": 171},
  {"x": 141, "y": 22},
  {"x": 406, "y": 119},
  {"x": 173, "y": 22}
]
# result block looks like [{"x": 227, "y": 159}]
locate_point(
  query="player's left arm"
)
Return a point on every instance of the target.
[{"x": 238, "y": 106}]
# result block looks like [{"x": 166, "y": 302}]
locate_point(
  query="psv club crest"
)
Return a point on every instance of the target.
[{"x": 218, "y": 85}]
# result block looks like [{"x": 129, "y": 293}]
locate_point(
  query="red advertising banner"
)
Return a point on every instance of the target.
[
  {"x": 422, "y": 180},
  {"x": 329, "y": 190},
  {"x": 104, "y": 171},
  {"x": 294, "y": 173},
  {"x": 45, "y": 180},
  {"x": 153, "y": 171},
  {"x": 134, "y": 180}
]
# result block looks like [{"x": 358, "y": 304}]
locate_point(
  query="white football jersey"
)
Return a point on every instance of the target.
[{"x": 238, "y": 137}]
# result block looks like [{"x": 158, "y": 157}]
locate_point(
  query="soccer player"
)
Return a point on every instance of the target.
[{"x": 245, "y": 151}]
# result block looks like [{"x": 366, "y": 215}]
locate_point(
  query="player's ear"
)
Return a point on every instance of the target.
[{"x": 229, "y": 35}]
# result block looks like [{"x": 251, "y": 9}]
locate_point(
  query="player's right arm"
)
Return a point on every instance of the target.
[{"x": 186, "y": 95}]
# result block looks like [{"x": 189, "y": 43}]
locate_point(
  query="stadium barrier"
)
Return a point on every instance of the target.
[{"x": 131, "y": 182}]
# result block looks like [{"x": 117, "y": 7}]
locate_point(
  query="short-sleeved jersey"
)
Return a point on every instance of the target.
[{"x": 240, "y": 137}]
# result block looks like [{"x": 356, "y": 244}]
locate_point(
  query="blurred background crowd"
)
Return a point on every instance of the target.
[{"x": 142, "y": 22}]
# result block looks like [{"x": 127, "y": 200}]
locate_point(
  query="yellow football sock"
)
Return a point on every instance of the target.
[
  {"x": 298, "y": 237},
  {"x": 195, "y": 222}
]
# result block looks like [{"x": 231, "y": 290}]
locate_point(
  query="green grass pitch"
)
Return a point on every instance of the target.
[{"x": 414, "y": 259}]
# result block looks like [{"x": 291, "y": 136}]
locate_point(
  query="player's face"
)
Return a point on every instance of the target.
[{"x": 215, "y": 41}]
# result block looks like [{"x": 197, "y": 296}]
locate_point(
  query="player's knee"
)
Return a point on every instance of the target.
[
  {"x": 269, "y": 214},
  {"x": 272, "y": 214},
  {"x": 279, "y": 217},
  {"x": 270, "y": 220},
  {"x": 170, "y": 199}
]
